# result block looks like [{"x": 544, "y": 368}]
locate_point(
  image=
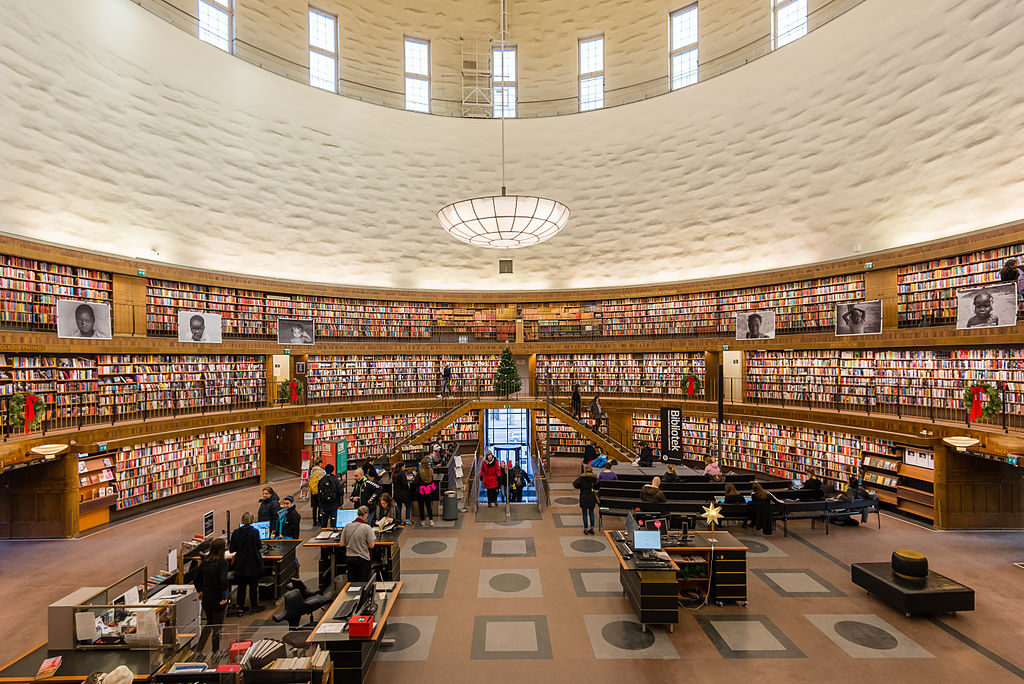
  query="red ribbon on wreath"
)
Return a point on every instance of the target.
[
  {"x": 690, "y": 389},
  {"x": 976, "y": 402},
  {"x": 293, "y": 386},
  {"x": 30, "y": 410}
]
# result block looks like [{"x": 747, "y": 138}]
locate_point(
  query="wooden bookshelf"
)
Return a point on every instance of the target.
[
  {"x": 927, "y": 290},
  {"x": 699, "y": 435},
  {"x": 916, "y": 490},
  {"x": 132, "y": 384},
  {"x": 465, "y": 429},
  {"x": 476, "y": 321},
  {"x": 68, "y": 384},
  {"x": 157, "y": 470},
  {"x": 339, "y": 377},
  {"x": 880, "y": 474},
  {"x": 628, "y": 374},
  {"x": 29, "y": 290},
  {"x": 913, "y": 379},
  {"x": 565, "y": 441},
  {"x": 370, "y": 436}
]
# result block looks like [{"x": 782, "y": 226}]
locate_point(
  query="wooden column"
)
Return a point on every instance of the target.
[
  {"x": 129, "y": 309},
  {"x": 712, "y": 360},
  {"x": 533, "y": 375},
  {"x": 881, "y": 284}
]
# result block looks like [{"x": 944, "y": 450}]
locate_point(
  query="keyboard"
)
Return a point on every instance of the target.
[
  {"x": 650, "y": 564},
  {"x": 624, "y": 550},
  {"x": 345, "y": 609}
]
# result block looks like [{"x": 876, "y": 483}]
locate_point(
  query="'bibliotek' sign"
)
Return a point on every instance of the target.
[{"x": 671, "y": 432}]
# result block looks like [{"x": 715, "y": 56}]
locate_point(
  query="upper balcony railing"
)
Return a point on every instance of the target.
[{"x": 446, "y": 86}]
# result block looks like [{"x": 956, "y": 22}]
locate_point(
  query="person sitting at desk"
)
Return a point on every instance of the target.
[
  {"x": 853, "y": 492},
  {"x": 732, "y": 495},
  {"x": 212, "y": 585},
  {"x": 385, "y": 508},
  {"x": 269, "y": 506},
  {"x": 587, "y": 484},
  {"x": 760, "y": 507},
  {"x": 288, "y": 519},
  {"x": 652, "y": 493},
  {"x": 358, "y": 539},
  {"x": 248, "y": 563},
  {"x": 670, "y": 474},
  {"x": 607, "y": 474},
  {"x": 813, "y": 483}
]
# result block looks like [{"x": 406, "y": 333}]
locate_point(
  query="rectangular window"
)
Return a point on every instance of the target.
[
  {"x": 504, "y": 80},
  {"x": 323, "y": 50},
  {"x": 683, "y": 46},
  {"x": 789, "y": 19},
  {"x": 215, "y": 23},
  {"x": 591, "y": 73},
  {"x": 417, "y": 74}
]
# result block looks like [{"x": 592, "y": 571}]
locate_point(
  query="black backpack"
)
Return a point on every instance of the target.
[{"x": 327, "y": 491}]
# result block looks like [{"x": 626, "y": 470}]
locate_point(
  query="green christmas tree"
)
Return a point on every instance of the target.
[{"x": 507, "y": 380}]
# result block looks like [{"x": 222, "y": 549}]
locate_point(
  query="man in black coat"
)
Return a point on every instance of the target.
[{"x": 248, "y": 562}]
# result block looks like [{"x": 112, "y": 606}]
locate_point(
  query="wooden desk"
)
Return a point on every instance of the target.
[
  {"x": 654, "y": 594},
  {"x": 78, "y": 664},
  {"x": 352, "y": 657},
  {"x": 728, "y": 562},
  {"x": 386, "y": 551}
]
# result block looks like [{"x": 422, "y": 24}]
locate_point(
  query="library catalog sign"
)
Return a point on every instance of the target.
[{"x": 671, "y": 432}]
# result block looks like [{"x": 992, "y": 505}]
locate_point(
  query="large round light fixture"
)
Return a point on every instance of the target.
[{"x": 503, "y": 221}]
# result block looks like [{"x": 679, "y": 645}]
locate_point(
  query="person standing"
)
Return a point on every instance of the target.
[
  {"x": 595, "y": 411},
  {"x": 365, "y": 493},
  {"x": 490, "y": 476},
  {"x": 288, "y": 519},
  {"x": 446, "y": 379},
  {"x": 248, "y": 563},
  {"x": 587, "y": 484},
  {"x": 329, "y": 491},
  {"x": 401, "y": 492},
  {"x": 269, "y": 506},
  {"x": 358, "y": 539},
  {"x": 577, "y": 402},
  {"x": 424, "y": 488},
  {"x": 519, "y": 480},
  {"x": 315, "y": 473},
  {"x": 212, "y": 585}
]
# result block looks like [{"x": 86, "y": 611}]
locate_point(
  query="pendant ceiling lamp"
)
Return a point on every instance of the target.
[{"x": 503, "y": 221}]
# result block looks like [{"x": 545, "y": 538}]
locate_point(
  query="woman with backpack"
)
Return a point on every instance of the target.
[
  {"x": 425, "y": 489},
  {"x": 401, "y": 492},
  {"x": 329, "y": 492},
  {"x": 587, "y": 484},
  {"x": 315, "y": 473},
  {"x": 490, "y": 477}
]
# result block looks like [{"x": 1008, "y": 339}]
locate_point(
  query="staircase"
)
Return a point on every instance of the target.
[
  {"x": 430, "y": 429},
  {"x": 612, "y": 447}
]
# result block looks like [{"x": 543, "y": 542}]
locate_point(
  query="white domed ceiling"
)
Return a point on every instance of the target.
[{"x": 894, "y": 124}]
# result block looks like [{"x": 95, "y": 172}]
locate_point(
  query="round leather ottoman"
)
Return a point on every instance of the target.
[{"x": 909, "y": 565}]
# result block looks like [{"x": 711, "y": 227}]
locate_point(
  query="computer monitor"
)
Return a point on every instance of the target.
[
  {"x": 264, "y": 530},
  {"x": 345, "y": 516},
  {"x": 646, "y": 540},
  {"x": 365, "y": 604},
  {"x": 656, "y": 524},
  {"x": 631, "y": 525}
]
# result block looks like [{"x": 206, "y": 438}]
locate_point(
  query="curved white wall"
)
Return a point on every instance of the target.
[{"x": 884, "y": 128}]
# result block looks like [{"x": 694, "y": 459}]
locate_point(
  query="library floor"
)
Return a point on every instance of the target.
[{"x": 537, "y": 599}]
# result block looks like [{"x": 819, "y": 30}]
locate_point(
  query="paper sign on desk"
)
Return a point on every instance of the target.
[
  {"x": 332, "y": 628},
  {"x": 172, "y": 560},
  {"x": 85, "y": 627},
  {"x": 146, "y": 626},
  {"x": 132, "y": 597}
]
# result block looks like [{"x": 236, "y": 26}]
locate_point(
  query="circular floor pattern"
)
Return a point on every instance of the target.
[
  {"x": 404, "y": 634},
  {"x": 627, "y": 635},
  {"x": 509, "y": 582},
  {"x": 429, "y": 547},
  {"x": 567, "y": 501},
  {"x": 863, "y": 634},
  {"x": 587, "y": 546},
  {"x": 754, "y": 546}
]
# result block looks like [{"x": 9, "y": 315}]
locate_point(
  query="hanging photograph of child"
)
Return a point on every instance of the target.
[
  {"x": 992, "y": 306},
  {"x": 84, "y": 320},
  {"x": 199, "y": 327},
  {"x": 295, "y": 331},
  {"x": 859, "y": 318},
  {"x": 756, "y": 325}
]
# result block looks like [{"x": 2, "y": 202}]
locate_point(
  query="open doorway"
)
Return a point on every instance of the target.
[{"x": 507, "y": 435}]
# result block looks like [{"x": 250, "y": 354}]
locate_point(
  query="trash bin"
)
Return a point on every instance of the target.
[{"x": 451, "y": 506}]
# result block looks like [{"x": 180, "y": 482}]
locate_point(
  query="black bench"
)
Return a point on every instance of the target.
[{"x": 934, "y": 594}]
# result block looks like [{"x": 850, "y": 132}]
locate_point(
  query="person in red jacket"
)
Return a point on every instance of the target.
[{"x": 490, "y": 474}]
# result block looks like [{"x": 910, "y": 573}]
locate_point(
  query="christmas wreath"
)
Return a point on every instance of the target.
[
  {"x": 291, "y": 390},
  {"x": 27, "y": 409},
  {"x": 991, "y": 408},
  {"x": 691, "y": 384}
]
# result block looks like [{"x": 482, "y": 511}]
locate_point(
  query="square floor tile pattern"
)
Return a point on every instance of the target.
[
  {"x": 420, "y": 584},
  {"x": 596, "y": 582},
  {"x": 747, "y": 636},
  {"x": 622, "y": 637},
  {"x": 429, "y": 547},
  {"x": 568, "y": 519},
  {"x": 576, "y": 547},
  {"x": 510, "y": 637},
  {"x": 518, "y": 583},
  {"x": 509, "y": 547},
  {"x": 412, "y": 634},
  {"x": 867, "y": 636},
  {"x": 796, "y": 582}
]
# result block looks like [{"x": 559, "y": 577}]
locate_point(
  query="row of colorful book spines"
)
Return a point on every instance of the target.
[
  {"x": 156, "y": 475},
  {"x": 240, "y": 459},
  {"x": 134, "y": 460},
  {"x": 152, "y": 495},
  {"x": 20, "y": 279},
  {"x": 886, "y": 366},
  {"x": 268, "y": 319},
  {"x": 219, "y": 438},
  {"x": 989, "y": 261},
  {"x": 215, "y": 361}
]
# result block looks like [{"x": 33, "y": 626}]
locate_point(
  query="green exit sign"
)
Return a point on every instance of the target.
[{"x": 142, "y": 271}]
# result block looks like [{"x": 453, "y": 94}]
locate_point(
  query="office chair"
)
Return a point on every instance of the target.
[
  {"x": 295, "y": 606},
  {"x": 326, "y": 595},
  {"x": 234, "y": 609}
]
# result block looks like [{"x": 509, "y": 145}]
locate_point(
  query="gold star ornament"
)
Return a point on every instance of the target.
[{"x": 712, "y": 514}]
